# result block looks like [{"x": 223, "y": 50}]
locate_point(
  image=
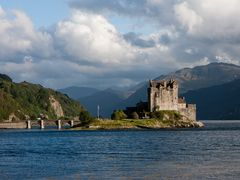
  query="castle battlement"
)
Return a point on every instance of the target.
[{"x": 163, "y": 84}]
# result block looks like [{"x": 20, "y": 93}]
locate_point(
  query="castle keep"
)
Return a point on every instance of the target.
[{"x": 163, "y": 95}]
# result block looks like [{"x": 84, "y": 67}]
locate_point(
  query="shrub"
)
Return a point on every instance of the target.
[
  {"x": 157, "y": 114},
  {"x": 33, "y": 117},
  {"x": 171, "y": 115},
  {"x": 118, "y": 115},
  {"x": 134, "y": 115}
]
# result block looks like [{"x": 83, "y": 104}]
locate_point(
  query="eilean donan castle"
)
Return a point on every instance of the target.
[{"x": 163, "y": 95}]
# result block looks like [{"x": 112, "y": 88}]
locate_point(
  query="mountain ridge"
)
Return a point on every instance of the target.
[
  {"x": 190, "y": 79},
  {"x": 105, "y": 99},
  {"x": 77, "y": 92}
]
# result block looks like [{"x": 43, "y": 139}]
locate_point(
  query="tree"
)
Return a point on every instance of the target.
[
  {"x": 134, "y": 115},
  {"x": 118, "y": 115},
  {"x": 85, "y": 117}
]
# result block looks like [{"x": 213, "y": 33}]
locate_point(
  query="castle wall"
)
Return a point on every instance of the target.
[
  {"x": 189, "y": 112},
  {"x": 151, "y": 95},
  {"x": 167, "y": 98},
  {"x": 182, "y": 105},
  {"x": 163, "y": 95}
]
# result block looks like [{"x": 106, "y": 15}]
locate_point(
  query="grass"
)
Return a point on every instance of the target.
[{"x": 135, "y": 124}]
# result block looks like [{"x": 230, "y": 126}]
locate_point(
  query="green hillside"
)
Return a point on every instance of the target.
[{"x": 27, "y": 101}]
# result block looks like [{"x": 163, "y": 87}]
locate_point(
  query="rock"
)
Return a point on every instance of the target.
[
  {"x": 13, "y": 118},
  {"x": 56, "y": 106},
  {"x": 198, "y": 124}
]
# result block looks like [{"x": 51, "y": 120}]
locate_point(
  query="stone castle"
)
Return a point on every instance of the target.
[{"x": 163, "y": 95}]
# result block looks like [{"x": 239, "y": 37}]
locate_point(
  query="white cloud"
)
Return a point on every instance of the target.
[
  {"x": 18, "y": 36},
  {"x": 83, "y": 49},
  {"x": 187, "y": 17},
  {"x": 226, "y": 58},
  {"x": 87, "y": 49},
  {"x": 2, "y": 12},
  {"x": 214, "y": 20},
  {"x": 92, "y": 38}
]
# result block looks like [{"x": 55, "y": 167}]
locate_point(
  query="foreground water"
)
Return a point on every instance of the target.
[{"x": 209, "y": 153}]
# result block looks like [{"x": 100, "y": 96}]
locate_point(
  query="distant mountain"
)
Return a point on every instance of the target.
[
  {"x": 217, "y": 102},
  {"x": 188, "y": 78},
  {"x": 204, "y": 76},
  {"x": 21, "y": 101},
  {"x": 78, "y": 92},
  {"x": 122, "y": 94},
  {"x": 191, "y": 79},
  {"x": 139, "y": 95},
  {"x": 106, "y": 100},
  {"x": 138, "y": 86}
]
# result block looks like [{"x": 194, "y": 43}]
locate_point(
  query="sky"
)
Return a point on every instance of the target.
[{"x": 113, "y": 43}]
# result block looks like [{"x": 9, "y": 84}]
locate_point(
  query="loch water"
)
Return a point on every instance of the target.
[{"x": 212, "y": 152}]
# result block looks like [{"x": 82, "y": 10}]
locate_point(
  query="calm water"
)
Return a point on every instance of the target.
[{"x": 209, "y": 153}]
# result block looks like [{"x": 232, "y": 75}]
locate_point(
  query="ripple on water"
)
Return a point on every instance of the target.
[{"x": 209, "y": 153}]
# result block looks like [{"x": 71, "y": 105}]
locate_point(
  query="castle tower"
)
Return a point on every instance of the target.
[{"x": 163, "y": 95}]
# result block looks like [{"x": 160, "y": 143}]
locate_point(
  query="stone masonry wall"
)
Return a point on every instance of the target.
[
  {"x": 163, "y": 95},
  {"x": 189, "y": 112},
  {"x": 17, "y": 125}
]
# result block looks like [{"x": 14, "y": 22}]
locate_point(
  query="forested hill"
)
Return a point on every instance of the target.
[{"x": 21, "y": 101}]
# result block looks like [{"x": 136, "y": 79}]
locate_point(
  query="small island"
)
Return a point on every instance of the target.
[{"x": 164, "y": 109}]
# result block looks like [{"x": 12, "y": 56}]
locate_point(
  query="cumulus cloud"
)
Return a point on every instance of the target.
[
  {"x": 202, "y": 18},
  {"x": 207, "y": 29},
  {"x": 84, "y": 49},
  {"x": 187, "y": 17},
  {"x": 226, "y": 58},
  {"x": 153, "y": 10},
  {"x": 139, "y": 41},
  {"x": 212, "y": 20},
  {"x": 125, "y": 7},
  {"x": 87, "y": 49},
  {"x": 2, "y": 12},
  {"x": 18, "y": 36},
  {"x": 92, "y": 38}
]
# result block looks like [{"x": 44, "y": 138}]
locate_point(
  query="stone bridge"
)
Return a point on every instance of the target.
[
  {"x": 43, "y": 123},
  {"x": 40, "y": 123}
]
